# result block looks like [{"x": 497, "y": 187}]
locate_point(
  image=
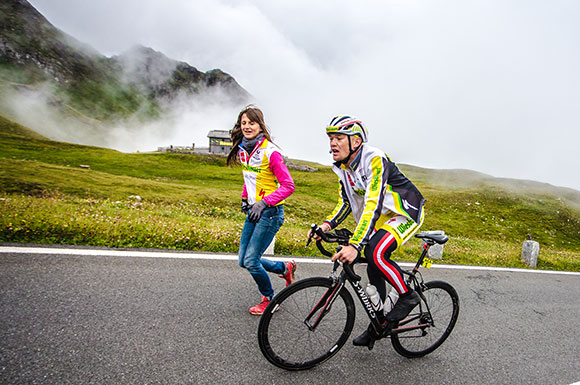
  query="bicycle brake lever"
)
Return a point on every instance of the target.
[{"x": 313, "y": 228}]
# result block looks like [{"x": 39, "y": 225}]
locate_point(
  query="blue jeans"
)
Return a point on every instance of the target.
[{"x": 255, "y": 239}]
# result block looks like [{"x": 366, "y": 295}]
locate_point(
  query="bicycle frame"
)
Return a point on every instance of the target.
[{"x": 383, "y": 329}]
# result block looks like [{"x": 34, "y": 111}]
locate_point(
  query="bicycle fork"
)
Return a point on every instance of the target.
[{"x": 323, "y": 306}]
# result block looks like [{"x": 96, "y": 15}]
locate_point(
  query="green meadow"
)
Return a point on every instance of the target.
[{"x": 61, "y": 193}]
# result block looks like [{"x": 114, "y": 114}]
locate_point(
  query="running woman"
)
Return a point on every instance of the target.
[{"x": 267, "y": 183}]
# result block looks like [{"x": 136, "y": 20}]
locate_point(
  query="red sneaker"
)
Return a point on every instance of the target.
[
  {"x": 289, "y": 276},
  {"x": 259, "y": 308}
]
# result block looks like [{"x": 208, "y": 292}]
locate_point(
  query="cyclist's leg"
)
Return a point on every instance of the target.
[
  {"x": 393, "y": 233},
  {"x": 397, "y": 230},
  {"x": 380, "y": 265}
]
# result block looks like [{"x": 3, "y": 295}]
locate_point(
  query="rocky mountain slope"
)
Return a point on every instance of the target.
[{"x": 42, "y": 64}]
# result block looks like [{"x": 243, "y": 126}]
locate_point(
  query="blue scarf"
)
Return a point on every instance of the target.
[{"x": 249, "y": 144}]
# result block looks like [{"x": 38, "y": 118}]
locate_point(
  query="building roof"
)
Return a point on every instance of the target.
[{"x": 221, "y": 134}]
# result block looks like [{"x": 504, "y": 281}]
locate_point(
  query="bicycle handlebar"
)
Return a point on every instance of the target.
[{"x": 340, "y": 236}]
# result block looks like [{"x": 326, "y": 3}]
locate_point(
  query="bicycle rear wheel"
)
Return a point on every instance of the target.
[
  {"x": 288, "y": 342},
  {"x": 440, "y": 317}
]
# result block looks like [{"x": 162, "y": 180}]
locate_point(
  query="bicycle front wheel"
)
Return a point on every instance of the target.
[
  {"x": 439, "y": 314},
  {"x": 286, "y": 334}
]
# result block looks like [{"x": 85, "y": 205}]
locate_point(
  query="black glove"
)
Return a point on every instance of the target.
[
  {"x": 245, "y": 206},
  {"x": 256, "y": 211}
]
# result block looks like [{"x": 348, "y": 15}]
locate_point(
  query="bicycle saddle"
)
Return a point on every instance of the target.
[{"x": 438, "y": 238}]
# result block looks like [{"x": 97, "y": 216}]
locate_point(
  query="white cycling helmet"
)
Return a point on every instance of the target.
[{"x": 347, "y": 125}]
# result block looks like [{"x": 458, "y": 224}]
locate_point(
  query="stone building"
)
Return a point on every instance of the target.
[{"x": 219, "y": 142}]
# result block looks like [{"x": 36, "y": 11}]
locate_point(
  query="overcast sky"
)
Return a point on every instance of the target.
[{"x": 487, "y": 85}]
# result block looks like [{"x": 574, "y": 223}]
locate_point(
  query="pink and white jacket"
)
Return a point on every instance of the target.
[{"x": 265, "y": 174}]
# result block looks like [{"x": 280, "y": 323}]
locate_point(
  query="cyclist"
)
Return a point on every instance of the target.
[
  {"x": 267, "y": 183},
  {"x": 387, "y": 207}
]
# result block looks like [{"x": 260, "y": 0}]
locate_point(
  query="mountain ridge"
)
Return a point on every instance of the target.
[{"x": 62, "y": 71}]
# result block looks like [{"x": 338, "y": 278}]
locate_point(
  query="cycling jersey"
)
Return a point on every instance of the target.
[
  {"x": 265, "y": 174},
  {"x": 376, "y": 192}
]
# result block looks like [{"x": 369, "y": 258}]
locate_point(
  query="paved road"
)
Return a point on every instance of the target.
[{"x": 74, "y": 319}]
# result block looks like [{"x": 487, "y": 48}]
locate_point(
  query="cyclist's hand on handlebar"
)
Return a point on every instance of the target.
[
  {"x": 325, "y": 227},
  {"x": 346, "y": 254}
]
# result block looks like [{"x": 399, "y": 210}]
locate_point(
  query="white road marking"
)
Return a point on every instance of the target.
[{"x": 233, "y": 257}]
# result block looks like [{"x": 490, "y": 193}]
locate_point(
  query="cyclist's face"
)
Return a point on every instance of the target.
[
  {"x": 249, "y": 129},
  {"x": 339, "y": 146}
]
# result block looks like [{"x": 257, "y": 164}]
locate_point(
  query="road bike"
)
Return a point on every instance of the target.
[{"x": 309, "y": 321}]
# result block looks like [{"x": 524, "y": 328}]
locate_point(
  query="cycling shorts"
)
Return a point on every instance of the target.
[{"x": 401, "y": 227}]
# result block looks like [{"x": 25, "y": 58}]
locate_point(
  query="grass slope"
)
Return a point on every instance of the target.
[
  {"x": 9, "y": 128},
  {"x": 192, "y": 202}
]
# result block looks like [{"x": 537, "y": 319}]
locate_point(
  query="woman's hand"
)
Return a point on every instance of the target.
[{"x": 257, "y": 210}]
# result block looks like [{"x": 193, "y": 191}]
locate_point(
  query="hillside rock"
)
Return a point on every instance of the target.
[
  {"x": 161, "y": 77},
  {"x": 29, "y": 42}
]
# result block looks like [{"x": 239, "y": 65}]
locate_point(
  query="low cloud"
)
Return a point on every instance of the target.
[
  {"x": 490, "y": 86},
  {"x": 186, "y": 120},
  {"x": 37, "y": 108}
]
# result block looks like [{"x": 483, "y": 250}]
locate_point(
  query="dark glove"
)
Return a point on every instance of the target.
[
  {"x": 257, "y": 210},
  {"x": 245, "y": 206}
]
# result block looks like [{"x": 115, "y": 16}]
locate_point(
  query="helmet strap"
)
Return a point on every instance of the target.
[{"x": 350, "y": 152}]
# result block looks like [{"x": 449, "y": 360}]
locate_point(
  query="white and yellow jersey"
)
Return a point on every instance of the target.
[
  {"x": 265, "y": 174},
  {"x": 375, "y": 191}
]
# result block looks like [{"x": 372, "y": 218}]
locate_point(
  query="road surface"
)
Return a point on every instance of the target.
[{"x": 113, "y": 317}]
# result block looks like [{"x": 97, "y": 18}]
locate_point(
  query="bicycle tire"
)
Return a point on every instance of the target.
[
  {"x": 443, "y": 303},
  {"x": 284, "y": 338}
]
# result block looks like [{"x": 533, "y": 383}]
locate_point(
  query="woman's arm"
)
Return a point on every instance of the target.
[
  {"x": 244, "y": 192},
  {"x": 281, "y": 172}
]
